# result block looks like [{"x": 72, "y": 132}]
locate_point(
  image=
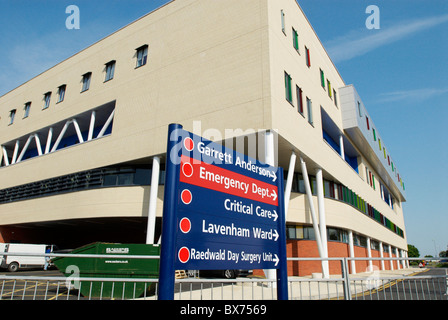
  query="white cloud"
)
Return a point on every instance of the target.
[
  {"x": 356, "y": 43},
  {"x": 413, "y": 95}
]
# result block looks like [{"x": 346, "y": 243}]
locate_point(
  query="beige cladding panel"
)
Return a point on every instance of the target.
[{"x": 105, "y": 202}]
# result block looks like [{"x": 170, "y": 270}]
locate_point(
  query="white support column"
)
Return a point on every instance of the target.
[
  {"x": 407, "y": 261},
  {"x": 5, "y": 156},
  {"x": 341, "y": 146},
  {"x": 16, "y": 151},
  {"x": 269, "y": 158},
  {"x": 106, "y": 125},
  {"x": 1, "y": 156},
  {"x": 309, "y": 195},
  {"x": 292, "y": 164},
  {"x": 38, "y": 146},
  {"x": 92, "y": 125},
  {"x": 390, "y": 256},
  {"x": 25, "y": 147},
  {"x": 49, "y": 137},
  {"x": 78, "y": 131},
  {"x": 352, "y": 251},
  {"x": 61, "y": 135},
  {"x": 403, "y": 262},
  {"x": 382, "y": 255},
  {"x": 369, "y": 254},
  {"x": 322, "y": 220},
  {"x": 398, "y": 256},
  {"x": 153, "y": 200}
]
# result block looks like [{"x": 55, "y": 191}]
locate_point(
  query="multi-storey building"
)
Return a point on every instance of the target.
[{"x": 82, "y": 142}]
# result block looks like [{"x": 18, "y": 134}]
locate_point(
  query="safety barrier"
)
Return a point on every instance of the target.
[{"x": 402, "y": 284}]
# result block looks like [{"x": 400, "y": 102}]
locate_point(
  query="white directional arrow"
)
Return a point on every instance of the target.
[
  {"x": 273, "y": 175},
  {"x": 274, "y": 195},
  {"x": 276, "y": 259},
  {"x": 275, "y": 235},
  {"x": 275, "y": 215}
]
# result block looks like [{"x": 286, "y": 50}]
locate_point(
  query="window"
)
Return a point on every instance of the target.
[
  {"x": 359, "y": 109},
  {"x": 47, "y": 98},
  {"x": 307, "y": 57},
  {"x": 295, "y": 232},
  {"x": 142, "y": 55},
  {"x": 374, "y": 245},
  {"x": 335, "y": 99},
  {"x": 288, "y": 87},
  {"x": 86, "y": 81},
  {"x": 322, "y": 79},
  {"x": 110, "y": 69},
  {"x": 283, "y": 21},
  {"x": 27, "y": 110},
  {"x": 295, "y": 39},
  {"x": 61, "y": 93},
  {"x": 374, "y": 134},
  {"x": 339, "y": 235},
  {"x": 12, "y": 115},
  {"x": 299, "y": 99},
  {"x": 309, "y": 107},
  {"x": 367, "y": 123},
  {"x": 329, "y": 88},
  {"x": 359, "y": 240}
]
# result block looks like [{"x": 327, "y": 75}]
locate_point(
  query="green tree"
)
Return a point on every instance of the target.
[{"x": 413, "y": 251}]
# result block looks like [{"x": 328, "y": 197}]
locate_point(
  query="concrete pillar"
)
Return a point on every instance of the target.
[
  {"x": 153, "y": 200},
  {"x": 322, "y": 220},
  {"x": 369, "y": 254},
  {"x": 341, "y": 146},
  {"x": 292, "y": 164},
  {"x": 352, "y": 251}
]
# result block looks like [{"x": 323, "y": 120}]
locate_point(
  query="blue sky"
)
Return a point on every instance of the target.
[{"x": 399, "y": 70}]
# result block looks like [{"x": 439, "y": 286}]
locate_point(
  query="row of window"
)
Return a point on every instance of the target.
[
  {"x": 299, "y": 95},
  {"x": 141, "y": 58},
  {"x": 340, "y": 192},
  {"x": 295, "y": 40},
  {"x": 331, "y": 91},
  {"x": 85, "y": 180},
  {"x": 333, "y": 234},
  {"x": 381, "y": 147},
  {"x": 325, "y": 83}
]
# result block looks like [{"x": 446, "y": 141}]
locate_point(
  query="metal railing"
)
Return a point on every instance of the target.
[{"x": 372, "y": 285}]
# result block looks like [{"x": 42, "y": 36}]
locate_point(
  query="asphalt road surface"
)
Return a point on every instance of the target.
[{"x": 419, "y": 287}]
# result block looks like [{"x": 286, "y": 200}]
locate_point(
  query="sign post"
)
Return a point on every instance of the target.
[{"x": 222, "y": 210}]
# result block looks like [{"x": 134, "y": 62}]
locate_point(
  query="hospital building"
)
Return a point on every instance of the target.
[{"x": 83, "y": 144}]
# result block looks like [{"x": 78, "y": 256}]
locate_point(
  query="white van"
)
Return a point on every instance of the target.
[{"x": 14, "y": 263}]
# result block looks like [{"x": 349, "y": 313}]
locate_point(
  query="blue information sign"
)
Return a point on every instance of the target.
[{"x": 222, "y": 210}]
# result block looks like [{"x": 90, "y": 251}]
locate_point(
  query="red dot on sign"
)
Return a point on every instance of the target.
[
  {"x": 188, "y": 144},
  {"x": 187, "y": 169},
  {"x": 186, "y": 196},
  {"x": 185, "y": 225},
  {"x": 184, "y": 254}
]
